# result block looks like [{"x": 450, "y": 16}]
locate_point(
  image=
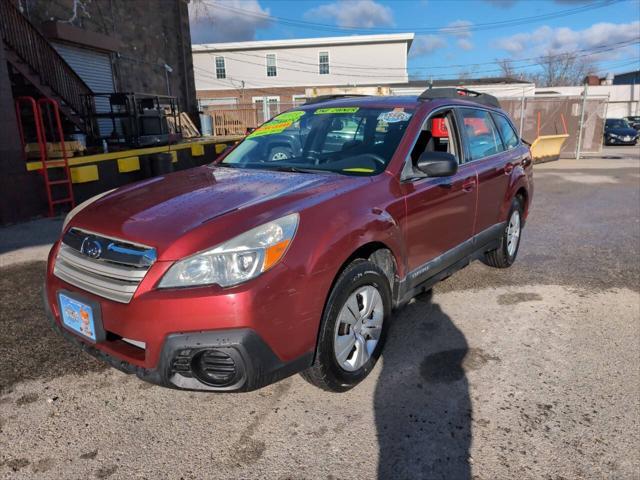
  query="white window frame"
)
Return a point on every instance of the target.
[
  {"x": 224, "y": 67},
  {"x": 320, "y": 63},
  {"x": 275, "y": 64}
]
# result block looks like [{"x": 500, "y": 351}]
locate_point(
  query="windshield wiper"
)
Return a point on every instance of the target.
[{"x": 284, "y": 168}]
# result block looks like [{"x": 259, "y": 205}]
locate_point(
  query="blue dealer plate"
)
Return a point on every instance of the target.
[{"x": 78, "y": 316}]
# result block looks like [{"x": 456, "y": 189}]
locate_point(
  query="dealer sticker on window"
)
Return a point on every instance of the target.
[
  {"x": 394, "y": 116},
  {"x": 325, "y": 111},
  {"x": 277, "y": 124}
]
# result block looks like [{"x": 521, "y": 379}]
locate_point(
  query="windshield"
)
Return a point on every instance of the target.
[
  {"x": 617, "y": 123},
  {"x": 346, "y": 140}
]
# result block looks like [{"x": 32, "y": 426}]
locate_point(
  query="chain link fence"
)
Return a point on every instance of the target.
[
  {"x": 533, "y": 116},
  {"x": 536, "y": 116}
]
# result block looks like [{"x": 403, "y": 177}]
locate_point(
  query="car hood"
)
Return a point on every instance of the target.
[
  {"x": 158, "y": 211},
  {"x": 622, "y": 131}
]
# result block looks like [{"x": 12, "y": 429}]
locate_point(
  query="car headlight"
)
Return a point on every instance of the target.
[
  {"x": 237, "y": 260},
  {"x": 613, "y": 135},
  {"x": 78, "y": 208}
]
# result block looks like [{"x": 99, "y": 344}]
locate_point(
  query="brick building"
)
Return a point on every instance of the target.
[{"x": 64, "y": 49}]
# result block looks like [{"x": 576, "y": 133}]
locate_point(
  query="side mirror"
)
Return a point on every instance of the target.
[{"x": 437, "y": 164}]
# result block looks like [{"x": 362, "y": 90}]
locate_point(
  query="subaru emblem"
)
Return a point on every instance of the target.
[{"x": 91, "y": 247}]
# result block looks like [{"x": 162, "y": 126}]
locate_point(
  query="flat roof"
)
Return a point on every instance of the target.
[
  {"x": 304, "y": 42},
  {"x": 456, "y": 82}
]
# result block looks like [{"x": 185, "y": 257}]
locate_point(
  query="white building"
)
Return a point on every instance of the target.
[{"x": 279, "y": 71}]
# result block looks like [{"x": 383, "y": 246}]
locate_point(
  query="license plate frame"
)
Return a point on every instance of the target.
[{"x": 81, "y": 316}]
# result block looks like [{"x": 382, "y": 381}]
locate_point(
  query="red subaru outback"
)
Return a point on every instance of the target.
[{"x": 290, "y": 253}]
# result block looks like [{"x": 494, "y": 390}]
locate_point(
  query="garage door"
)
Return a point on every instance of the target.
[{"x": 94, "y": 67}]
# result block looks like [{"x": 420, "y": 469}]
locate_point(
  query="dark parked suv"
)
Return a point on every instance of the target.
[{"x": 234, "y": 275}]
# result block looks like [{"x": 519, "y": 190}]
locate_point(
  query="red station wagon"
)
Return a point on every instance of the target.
[{"x": 290, "y": 252}]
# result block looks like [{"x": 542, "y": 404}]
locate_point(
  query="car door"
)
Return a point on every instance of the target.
[
  {"x": 486, "y": 152},
  {"x": 439, "y": 211}
]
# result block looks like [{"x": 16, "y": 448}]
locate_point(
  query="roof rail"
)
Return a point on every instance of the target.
[
  {"x": 325, "y": 98},
  {"x": 470, "y": 95}
]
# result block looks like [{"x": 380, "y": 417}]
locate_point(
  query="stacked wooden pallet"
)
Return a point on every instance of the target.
[{"x": 189, "y": 130}]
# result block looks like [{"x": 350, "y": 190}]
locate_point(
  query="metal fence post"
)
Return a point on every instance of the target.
[
  {"x": 584, "y": 102},
  {"x": 522, "y": 113}
]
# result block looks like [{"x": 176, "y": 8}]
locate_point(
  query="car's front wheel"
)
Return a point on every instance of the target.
[
  {"x": 353, "y": 328},
  {"x": 505, "y": 254}
]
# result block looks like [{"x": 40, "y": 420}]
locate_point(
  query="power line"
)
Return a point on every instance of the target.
[
  {"x": 592, "y": 50},
  {"x": 586, "y": 53},
  {"x": 442, "y": 29}
]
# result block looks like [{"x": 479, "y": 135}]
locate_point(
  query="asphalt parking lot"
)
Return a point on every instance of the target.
[{"x": 530, "y": 373}]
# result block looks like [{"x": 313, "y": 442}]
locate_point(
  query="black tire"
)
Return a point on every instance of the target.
[
  {"x": 500, "y": 257},
  {"x": 280, "y": 153},
  {"x": 326, "y": 373}
]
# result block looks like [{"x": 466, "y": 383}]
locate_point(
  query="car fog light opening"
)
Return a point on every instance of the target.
[{"x": 215, "y": 367}]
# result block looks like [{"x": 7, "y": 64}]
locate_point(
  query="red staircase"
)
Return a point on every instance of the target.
[{"x": 56, "y": 173}]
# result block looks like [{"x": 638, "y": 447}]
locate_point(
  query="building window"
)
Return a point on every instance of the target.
[
  {"x": 271, "y": 65},
  {"x": 221, "y": 71},
  {"x": 324, "y": 63}
]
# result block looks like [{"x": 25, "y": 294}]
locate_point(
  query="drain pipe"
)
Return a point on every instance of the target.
[{"x": 584, "y": 101}]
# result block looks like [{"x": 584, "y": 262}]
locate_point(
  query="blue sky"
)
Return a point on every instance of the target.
[{"x": 452, "y": 37}]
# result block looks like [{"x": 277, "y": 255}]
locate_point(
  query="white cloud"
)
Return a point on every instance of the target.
[
  {"x": 354, "y": 13},
  {"x": 228, "y": 22},
  {"x": 511, "y": 3},
  {"x": 465, "y": 44},
  {"x": 546, "y": 39},
  {"x": 426, "y": 44},
  {"x": 459, "y": 29},
  {"x": 502, "y": 3}
]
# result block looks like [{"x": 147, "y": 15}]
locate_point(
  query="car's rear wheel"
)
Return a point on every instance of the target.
[
  {"x": 505, "y": 254},
  {"x": 353, "y": 328}
]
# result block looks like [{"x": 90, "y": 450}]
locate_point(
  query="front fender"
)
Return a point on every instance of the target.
[{"x": 520, "y": 179}]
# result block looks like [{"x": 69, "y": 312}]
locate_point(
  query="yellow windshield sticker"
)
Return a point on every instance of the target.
[
  {"x": 277, "y": 124},
  {"x": 358, "y": 170},
  {"x": 270, "y": 128},
  {"x": 294, "y": 116},
  {"x": 322, "y": 111}
]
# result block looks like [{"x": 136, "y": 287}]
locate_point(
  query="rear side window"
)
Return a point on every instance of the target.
[
  {"x": 509, "y": 135},
  {"x": 481, "y": 133}
]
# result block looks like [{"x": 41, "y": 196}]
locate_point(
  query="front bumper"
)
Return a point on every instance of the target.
[
  {"x": 621, "y": 141},
  {"x": 254, "y": 362}
]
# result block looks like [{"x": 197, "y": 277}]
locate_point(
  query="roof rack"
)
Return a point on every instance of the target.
[
  {"x": 325, "y": 98},
  {"x": 470, "y": 95}
]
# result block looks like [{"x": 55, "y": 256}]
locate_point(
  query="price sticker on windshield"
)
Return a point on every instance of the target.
[{"x": 271, "y": 128}]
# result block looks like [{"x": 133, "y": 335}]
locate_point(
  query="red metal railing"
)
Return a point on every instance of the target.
[{"x": 36, "y": 52}]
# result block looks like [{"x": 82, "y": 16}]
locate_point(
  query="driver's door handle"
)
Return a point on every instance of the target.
[{"x": 469, "y": 184}]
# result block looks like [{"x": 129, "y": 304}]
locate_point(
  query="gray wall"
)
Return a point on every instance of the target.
[{"x": 151, "y": 33}]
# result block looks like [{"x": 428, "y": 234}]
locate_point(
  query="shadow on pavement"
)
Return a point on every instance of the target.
[
  {"x": 422, "y": 404},
  {"x": 29, "y": 348},
  {"x": 43, "y": 231}
]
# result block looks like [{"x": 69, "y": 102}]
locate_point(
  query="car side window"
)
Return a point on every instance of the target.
[
  {"x": 509, "y": 135},
  {"x": 481, "y": 133},
  {"x": 437, "y": 135}
]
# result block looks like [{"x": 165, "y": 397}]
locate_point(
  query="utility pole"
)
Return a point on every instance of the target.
[{"x": 584, "y": 102}]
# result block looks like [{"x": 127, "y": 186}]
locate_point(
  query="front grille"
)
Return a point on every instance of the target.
[{"x": 115, "y": 273}]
